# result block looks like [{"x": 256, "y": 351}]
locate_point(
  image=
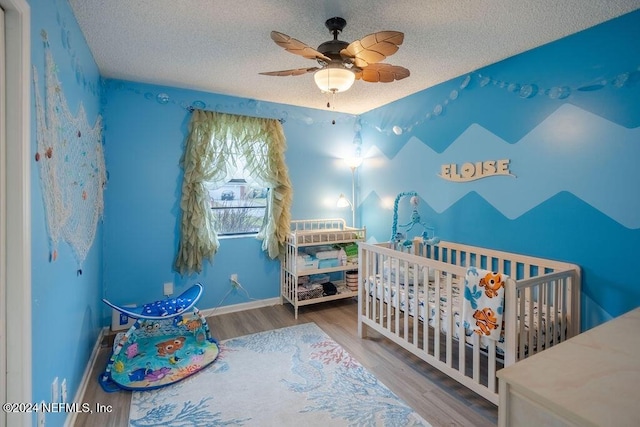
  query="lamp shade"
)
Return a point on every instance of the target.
[
  {"x": 334, "y": 79},
  {"x": 343, "y": 202},
  {"x": 353, "y": 162}
]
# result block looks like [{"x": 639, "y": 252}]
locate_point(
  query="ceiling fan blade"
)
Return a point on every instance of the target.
[
  {"x": 383, "y": 73},
  {"x": 373, "y": 48},
  {"x": 297, "y": 47},
  {"x": 295, "y": 72}
]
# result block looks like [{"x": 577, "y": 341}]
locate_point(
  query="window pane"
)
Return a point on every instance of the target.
[{"x": 238, "y": 208}]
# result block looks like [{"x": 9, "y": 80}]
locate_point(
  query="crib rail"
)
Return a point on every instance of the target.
[
  {"x": 518, "y": 267},
  {"x": 545, "y": 313},
  {"x": 398, "y": 287}
]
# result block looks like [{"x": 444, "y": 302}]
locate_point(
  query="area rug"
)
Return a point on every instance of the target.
[{"x": 284, "y": 377}]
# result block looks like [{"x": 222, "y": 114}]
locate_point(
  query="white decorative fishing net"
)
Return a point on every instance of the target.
[{"x": 72, "y": 169}]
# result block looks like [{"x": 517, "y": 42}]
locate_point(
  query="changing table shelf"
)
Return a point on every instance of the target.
[{"x": 304, "y": 237}]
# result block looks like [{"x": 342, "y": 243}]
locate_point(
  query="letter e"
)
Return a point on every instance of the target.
[{"x": 503, "y": 167}]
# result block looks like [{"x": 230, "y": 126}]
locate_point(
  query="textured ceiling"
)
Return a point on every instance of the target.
[{"x": 221, "y": 46}]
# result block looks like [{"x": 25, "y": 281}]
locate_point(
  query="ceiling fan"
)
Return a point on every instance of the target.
[{"x": 341, "y": 63}]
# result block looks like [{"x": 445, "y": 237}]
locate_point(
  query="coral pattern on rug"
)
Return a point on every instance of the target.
[{"x": 284, "y": 377}]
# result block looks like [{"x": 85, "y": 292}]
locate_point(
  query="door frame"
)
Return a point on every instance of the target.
[
  {"x": 3, "y": 222},
  {"x": 17, "y": 193}
]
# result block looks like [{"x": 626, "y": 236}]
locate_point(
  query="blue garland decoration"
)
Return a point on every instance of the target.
[
  {"x": 263, "y": 109},
  {"x": 522, "y": 90}
]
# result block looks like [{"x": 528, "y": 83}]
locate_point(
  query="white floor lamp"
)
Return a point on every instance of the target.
[{"x": 343, "y": 202}]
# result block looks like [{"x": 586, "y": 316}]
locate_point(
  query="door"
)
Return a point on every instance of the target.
[
  {"x": 3, "y": 222},
  {"x": 15, "y": 209}
]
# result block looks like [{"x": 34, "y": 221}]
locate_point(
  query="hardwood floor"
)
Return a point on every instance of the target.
[{"x": 439, "y": 399}]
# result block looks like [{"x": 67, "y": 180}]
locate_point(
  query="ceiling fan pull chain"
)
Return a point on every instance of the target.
[{"x": 331, "y": 104}]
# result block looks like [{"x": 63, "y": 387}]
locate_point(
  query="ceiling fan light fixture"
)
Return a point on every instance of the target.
[
  {"x": 342, "y": 62},
  {"x": 334, "y": 79}
]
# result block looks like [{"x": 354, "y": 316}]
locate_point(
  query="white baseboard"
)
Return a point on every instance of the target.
[
  {"x": 216, "y": 311},
  {"x": 86, "y": 377}
]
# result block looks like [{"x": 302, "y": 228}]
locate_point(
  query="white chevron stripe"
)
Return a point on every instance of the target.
[{"x": 572, "y": 150}]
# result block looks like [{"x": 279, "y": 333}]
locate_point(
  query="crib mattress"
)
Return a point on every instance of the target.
[{"x": 434, "y": 311}]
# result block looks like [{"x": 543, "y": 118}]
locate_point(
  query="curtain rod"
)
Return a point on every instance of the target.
[{"x": 192, "y": 109}]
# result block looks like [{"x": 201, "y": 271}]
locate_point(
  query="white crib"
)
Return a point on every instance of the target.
[{"x": 410, "y": 296}]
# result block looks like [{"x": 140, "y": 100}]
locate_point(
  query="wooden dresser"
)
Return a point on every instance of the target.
[{"x": 592, "y": 379}]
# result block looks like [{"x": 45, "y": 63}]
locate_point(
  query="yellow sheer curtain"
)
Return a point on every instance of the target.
[{"x": 213, "y": 144}]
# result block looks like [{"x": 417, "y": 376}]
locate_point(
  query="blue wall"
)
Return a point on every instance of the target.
[
  {"x": 567, "y": 116},
  {"x": 66, "y": 307},
  {"x": 145, "y": 131}
]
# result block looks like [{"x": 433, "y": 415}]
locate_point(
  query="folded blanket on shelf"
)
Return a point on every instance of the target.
[
  {"x": 483, "y": 308},
  {"x": 351, "y": 250},
  {"x": 328, "y": 263},
  {"x": 328, "y": 254},
  {"x": 319, "y": 278},
  {"x": 306, "y": 262},
  {"x": 315, "y": 250}
]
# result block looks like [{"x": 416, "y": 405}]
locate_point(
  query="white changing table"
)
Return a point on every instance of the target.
[
  {"x": 592, "y": 379},
  {"x": 315, "y": 232}
]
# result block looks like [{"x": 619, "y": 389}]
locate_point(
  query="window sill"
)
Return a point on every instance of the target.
[{"x": 237, "y": 236}]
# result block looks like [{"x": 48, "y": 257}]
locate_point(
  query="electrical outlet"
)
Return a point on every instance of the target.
[
  {"x": 54, "y": 390},
  {"x": 63, "y": 390},
  {"x": 168, "y": 289}
]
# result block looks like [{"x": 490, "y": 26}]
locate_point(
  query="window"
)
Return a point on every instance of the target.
[
  {"x": 234, "y": 158},
  {"x": 239, "y": 205},
  {"x": 238, "y": 208}
]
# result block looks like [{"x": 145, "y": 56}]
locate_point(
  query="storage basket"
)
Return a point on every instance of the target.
[{"x": 309, "y": 293}]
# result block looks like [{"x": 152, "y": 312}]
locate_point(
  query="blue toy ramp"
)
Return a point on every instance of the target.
[
  {"x": 163, "y": 309},
  {"x": 169, "y": 342}
]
